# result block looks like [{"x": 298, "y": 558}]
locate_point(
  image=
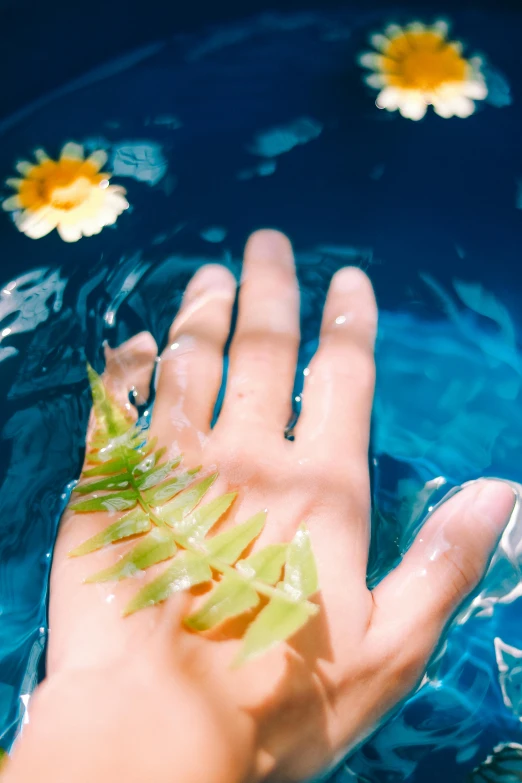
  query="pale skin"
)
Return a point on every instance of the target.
[{"x": 141, "y": 698}]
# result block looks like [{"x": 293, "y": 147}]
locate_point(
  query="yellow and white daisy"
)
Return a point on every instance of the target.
[
  {"x": 70, "y": 194},
  {"x": 417, "y": 66}
]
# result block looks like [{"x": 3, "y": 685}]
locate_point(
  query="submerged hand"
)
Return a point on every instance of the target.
[{"x": 169, "y": 698}]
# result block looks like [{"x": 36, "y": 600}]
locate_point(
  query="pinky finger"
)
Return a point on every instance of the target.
[{"x": 338, "y": 391}]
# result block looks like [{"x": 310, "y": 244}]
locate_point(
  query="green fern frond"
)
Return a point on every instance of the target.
[{"x": 124, "y": 472}]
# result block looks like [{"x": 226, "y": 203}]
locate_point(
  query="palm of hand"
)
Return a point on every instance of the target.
[{"x": 350, "y": 664}]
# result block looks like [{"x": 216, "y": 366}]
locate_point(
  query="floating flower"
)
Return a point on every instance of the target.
[
  {"x": 71, "y": 194},
  {"x": 417, "y": 67}
]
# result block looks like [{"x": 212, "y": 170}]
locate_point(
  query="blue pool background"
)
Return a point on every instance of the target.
[{"x": 428, "y": 209}]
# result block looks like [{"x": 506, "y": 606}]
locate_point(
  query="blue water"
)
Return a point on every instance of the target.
[{"x": 267, "y": 122}]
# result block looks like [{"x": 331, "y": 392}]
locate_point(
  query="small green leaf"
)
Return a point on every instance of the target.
[
  {"x": 117, "y": 501},
  {"x": 231, "y": 598},
  {"x": 186, "y": 501},
  {"x": 278, "y": 621},
  {"x": 113, "y": 419},
  {"x": 186, "y": 571},
  {"x": 194, "y": 528},
  {"x": 117, "y": 465},
  {"x": 149, "y": 446},
  {"x": 159, "y": 545},
  {"x": 265, "y": 565},
  {"x": 110, "y": 482},
  {"x": 300, "y": 579},
  {"x": 228, "y": 546},
  {"x": 126, "y": 447},
  {"x": 96, "y": 384},
  {"x": 150, "y": 459},
  {"x": 156, "y": 475},
  {"x": 131, "y": 524},
  {"x": 159, "y": 495}
]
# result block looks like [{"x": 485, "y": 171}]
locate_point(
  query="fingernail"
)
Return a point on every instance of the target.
[
  {"x": 265, "y": 250},
  {"x": 495, "y": 502},
  {"x": 212, "y": 277},
  {"x": 349, "y": 279},
  {"x": 272, "y": 244}
]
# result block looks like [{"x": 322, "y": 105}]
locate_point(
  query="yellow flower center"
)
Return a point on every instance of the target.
[
  {"x": 423, "y": 61},
  {"x": 64, "y": 184}
]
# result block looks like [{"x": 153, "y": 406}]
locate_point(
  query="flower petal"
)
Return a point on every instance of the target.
[
  {"x": 72, "y": 151},
  {"x": 416, "y": 27},
  {"x": 456, "y": 46},
  {"x": 463, "y": 107},
  {"x": 91, "y": 226},
  {"x": 413, "y": 107},
  {"x": 69, "y": 232},
  {"x": 110, "y": 214},
  {"x": 371, "y": 60},
  {"x": 393, "y": 30},
  {"x": 24, "y": 167},
  {"x": 476, "y": 63},
  {"x": 117, "y": 201},
  {"x": 379, "y": 42},
  {"x": 475, "y": 89},
  {"x": 376, "y": 80},
  {"x": 117, "y": 189},
  {"x": 441, "y": 27},
  {"x": 98, "y": 159},
  {"x": 389, "y": 98},
  {"x": 14, "y": 182},
  {"x": 12, "y": 203},
  {"x": 443, "y": 108},
  {"x": 37, "y": 224},
  {"x": 41, "y": 155}
]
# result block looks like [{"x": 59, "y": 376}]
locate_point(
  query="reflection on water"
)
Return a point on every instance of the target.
[
  {"x": 269, "y": 123},
  {"x": 503, "y": 766},
  {"x": 26, "y": 302},
  {"x": 510, "y": 675},
  {"x": 143, "y": 161},
  {"x": 277, "y": 141}
]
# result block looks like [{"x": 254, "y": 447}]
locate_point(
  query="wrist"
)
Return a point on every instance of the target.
[{"x": 129, "y": 725}]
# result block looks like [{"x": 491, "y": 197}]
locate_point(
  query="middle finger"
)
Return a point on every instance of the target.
[{"x": 264, "y": 350}]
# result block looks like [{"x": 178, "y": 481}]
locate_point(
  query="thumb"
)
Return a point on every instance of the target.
[{"x": 444, "y": 564}]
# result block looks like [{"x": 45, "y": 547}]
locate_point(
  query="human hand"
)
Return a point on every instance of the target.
[{"x": 289, "y": 713}]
